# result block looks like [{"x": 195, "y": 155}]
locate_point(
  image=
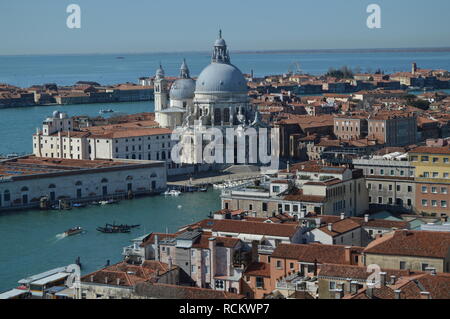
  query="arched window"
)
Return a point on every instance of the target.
[
  {"x": 153, "y": 175},
  {"x": 129, "y": 178},
  {"x": 6, "y": 195},
  {"x": 104, "y": 180},
  {"x": 133, "y": 156},
  {"x": 163, "y": 155},
  {"x": 24, "y": 189},
  {"x": 51, "y": 186},
  {"x": 79, "y": 183}
]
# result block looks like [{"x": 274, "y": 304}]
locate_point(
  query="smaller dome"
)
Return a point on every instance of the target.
[
  {"x": 56, "y": 114},
  {"x": 182, "y": 89},
  {"x": 220, "y": 43},
  {"x": 160, "y": 72}
]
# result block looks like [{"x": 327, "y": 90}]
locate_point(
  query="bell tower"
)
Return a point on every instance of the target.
[{"x": 161, "y": 92}]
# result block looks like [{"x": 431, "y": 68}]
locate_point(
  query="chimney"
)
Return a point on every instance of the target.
[
  {"x": 342, "y": 216},
  {"x": 170, "y": 262},
  {"x": 383, "y": 279},
  {"x": 118, "y": 281},
  {"x": 348, "y": 255},
  {"x": 353, "y": 287},
  {"x": 212, "y": 254},
  {"x": 431, "y": 270},
  {"x": 330, "y": 227},
  {"x": 366, "y": 218},
  {"x": 339, "y": 294},
  {"x": 288, "y": 168},
  {"x": 425, "y": 295},
  {"x": 393, "y": 280},
  {"x": 414, "y": 68},
  {"x": 254, "y": 251},
  {"x": 156, "y": 247},
  {"x": 106, "y": 280},
  {"x": 92, "y": 278},
  {"x": 369, "y": 290},
  {"x": 398, "y": 294}
]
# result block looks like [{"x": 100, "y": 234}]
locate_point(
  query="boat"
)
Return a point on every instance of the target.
[
  {"x": 108, "y": 202},
  {"x": 111, "y": 230},
  {"x": 203, "y": 190},
  {"x": 79, "y": 205},
  {"x": 103, "y": 111},
  {"x": 73, "y": 231},
  {"x": 172, "y": 192},
  {"x": 123, "y": 226}
]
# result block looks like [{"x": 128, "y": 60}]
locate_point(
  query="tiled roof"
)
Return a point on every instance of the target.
[
  {"x": 412, "y": 243},
  {"x": 298, "y": 196},
  {"x": 255, "y": 228},
  {"x": 431, "y": 150},
  {"x": 123, "y": 274},
  {"x": 165, "y": 291},
  {"x": 258, "y": 269},
  {"x": 340, "y": 227},
  {"x": 314, "y": 252},
  {"x": 411, "y": 288},
  {"x": 356, "y": 272}
]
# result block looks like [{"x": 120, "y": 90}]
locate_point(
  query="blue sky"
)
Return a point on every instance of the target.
[{"x": 134, "y": 26}]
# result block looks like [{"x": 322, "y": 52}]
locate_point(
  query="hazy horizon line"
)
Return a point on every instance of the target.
[{"x": 272, "y": 51}]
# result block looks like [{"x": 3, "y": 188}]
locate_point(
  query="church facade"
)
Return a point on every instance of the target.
[{"x": 217, "y": 99}]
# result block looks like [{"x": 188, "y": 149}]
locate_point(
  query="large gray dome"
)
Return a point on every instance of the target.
[
  {"x": 182, "y": 89},
  {"x": 221, "y": 78}
]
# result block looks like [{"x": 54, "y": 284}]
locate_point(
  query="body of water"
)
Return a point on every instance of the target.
[
  {"x": 25, "y": 71},
  {"x": 33, "y": 240}
]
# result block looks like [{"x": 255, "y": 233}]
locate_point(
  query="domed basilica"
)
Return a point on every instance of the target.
[{"x": 218, "y": 97}]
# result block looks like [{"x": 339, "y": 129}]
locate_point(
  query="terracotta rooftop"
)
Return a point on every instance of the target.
[
  {"x": 411, "y": 243},
  {"x": 258, "y": 269},
  {"x": 411, "y": 288},
  {"x": 34, "y": 166},
  {"x": 123, "y": 274},
  {"x": 314, "y": 253},
  {"x": 356, "y": 272},
  {"x": 249, "y": 227},
  {"x": 165, "y": 291},
  {"x": 431, "y": 150}
]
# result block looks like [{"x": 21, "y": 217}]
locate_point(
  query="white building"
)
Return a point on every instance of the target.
[{"x": 24, "y": 181}]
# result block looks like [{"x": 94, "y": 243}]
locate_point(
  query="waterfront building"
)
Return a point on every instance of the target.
[
  {"x": 432, "y": 177},
  {"x": 140, "y": 140},
  {"x": 24, "y": 181}
]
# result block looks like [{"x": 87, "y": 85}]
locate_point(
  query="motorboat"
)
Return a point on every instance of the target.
[
  {"x": 73, "y": 231},
  {"x": 172, "y": 192},
  {"x": 103, "y": 111}
]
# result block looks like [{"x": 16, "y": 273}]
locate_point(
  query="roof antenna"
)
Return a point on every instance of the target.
[{"x": 220, "y": 33}]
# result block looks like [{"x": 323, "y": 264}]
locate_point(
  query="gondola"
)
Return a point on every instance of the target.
[{"x": 113, "y": 230}]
